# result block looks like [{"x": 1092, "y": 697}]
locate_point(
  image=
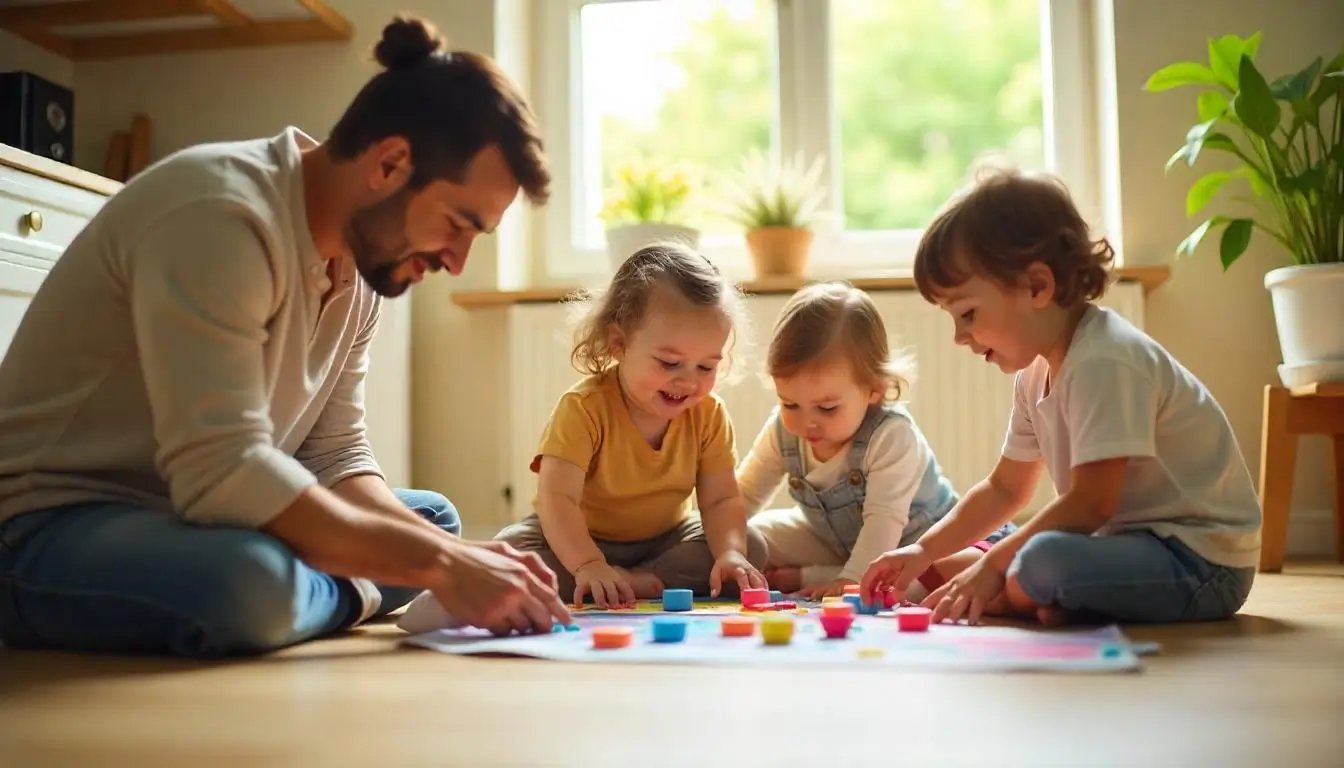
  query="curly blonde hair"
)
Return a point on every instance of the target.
[
  {"x": 1005, "y": 222},
  {"x": 826, "y": 320},
  {"x": 623, "y": 302}
]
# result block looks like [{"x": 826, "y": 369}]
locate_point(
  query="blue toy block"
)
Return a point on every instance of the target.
[
  {"x": 776, "y": 596},
  {"x": 677, "y": 600},
  {"x": 669, "y": 629},
  {"x": 855, "y": 601}
]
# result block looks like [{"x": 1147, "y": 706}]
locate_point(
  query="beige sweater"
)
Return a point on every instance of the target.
[{"x": 179, "y": 354}]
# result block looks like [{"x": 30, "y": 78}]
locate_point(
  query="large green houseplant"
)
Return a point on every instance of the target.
[{"x": 1285, "y": 143}]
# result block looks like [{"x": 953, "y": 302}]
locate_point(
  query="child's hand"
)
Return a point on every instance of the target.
[
  {"x": 733, "y": 565},
  {"x": 836, "y": 587},
  {"x": 609, "y": 586},
  {"x": 968, "y": 592},
  {"x": 895, "y": 570}
]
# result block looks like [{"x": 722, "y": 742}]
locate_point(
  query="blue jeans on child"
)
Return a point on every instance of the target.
[
  {"x": 122, "y": 578},
  {"x": 1134, "y": 577}
]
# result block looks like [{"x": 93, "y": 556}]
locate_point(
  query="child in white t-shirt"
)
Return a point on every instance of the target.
[
  {"x": 1156, "y": 519},
  {"x": 861, "y": 475}
]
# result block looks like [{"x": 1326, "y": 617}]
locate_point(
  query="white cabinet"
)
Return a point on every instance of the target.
[{"x": 43, "y": 205}]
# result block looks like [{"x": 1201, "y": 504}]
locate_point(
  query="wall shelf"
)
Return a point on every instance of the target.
[{"x": 86, "y": 30}]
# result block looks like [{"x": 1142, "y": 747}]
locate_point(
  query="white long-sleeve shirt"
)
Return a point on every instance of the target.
[
  {"x": 894, "y": 463},
  {"x": 179, "y": 354}
]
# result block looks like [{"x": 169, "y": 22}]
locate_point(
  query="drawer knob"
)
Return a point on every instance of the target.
[{"x": 34, "y": 220}]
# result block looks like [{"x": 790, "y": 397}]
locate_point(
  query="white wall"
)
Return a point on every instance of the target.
[
  {"x": 19, "y": 54},
  {"x": 1149, "y": 35}
]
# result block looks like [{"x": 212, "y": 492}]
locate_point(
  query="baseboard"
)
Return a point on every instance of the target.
[{"x": 1311, "y": 532}]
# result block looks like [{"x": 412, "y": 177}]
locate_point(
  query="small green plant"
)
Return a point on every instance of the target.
[
  {"x": 766, "y": 194},
  {"x": 648, "y": 193},
  {"x": 1290, "y": 161}
]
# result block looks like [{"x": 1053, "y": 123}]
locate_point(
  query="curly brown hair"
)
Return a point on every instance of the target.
[
  {"x": 623, "y": 302},
  {"x": 1004, "y": 223},
  {"x": 836, "y": 319}
]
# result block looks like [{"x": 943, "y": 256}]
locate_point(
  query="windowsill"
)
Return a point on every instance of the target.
[{"x": 1150, "y": 277}]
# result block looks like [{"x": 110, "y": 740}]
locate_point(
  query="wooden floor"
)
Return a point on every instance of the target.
[{"x": 1266, "y": 689}]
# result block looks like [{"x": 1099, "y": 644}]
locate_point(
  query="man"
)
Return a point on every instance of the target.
[{"x": 183, "y": 460}]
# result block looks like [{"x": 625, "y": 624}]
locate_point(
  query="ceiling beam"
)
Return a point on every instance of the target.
[
  {"x": 259, "y": 33},
  {"x": 95, "y": 12},
  {"x": 225, "y": 11},
  {"x": 334, "y": 21}
]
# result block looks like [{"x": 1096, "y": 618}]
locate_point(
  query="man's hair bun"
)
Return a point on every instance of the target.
[{"x": 407, "y": 41}]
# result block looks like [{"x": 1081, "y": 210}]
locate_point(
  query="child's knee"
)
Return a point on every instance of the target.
[{"x": 1045, "y": 563}]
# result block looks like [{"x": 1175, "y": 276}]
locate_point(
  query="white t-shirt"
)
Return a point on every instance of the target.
[
  {"x": 894, "y": 463},
  {"x": 1120, "y": 393}
]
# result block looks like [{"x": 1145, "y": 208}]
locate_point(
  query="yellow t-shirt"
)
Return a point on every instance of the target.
[{"x": 633, "y": 491}]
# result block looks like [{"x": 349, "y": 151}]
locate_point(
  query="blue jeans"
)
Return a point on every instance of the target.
[
  {"x": 122, "y": 578},
  {"x": 1133, "y": 577}
]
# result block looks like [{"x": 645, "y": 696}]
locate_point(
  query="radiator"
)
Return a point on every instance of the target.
[{"x": 960, "y": 402}]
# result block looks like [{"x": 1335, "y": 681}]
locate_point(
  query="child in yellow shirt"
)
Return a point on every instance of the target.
[{"x": 627, "y": 446}]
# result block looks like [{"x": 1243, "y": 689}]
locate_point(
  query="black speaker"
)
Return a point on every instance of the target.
[{"x": 38, "y": 116}]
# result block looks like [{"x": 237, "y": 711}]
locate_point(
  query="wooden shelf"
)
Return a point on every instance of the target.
[
  {"x": 1150, "y": 277},
  {"x": 85, "y": 30}
]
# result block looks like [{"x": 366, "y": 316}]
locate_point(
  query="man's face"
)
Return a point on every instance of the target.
[{"x": 407, "y": 234}]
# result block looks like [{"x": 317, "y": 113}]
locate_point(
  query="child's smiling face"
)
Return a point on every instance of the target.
[
  {"x": 824, "y": 403},
  {"x": 670, "y": 361},
  {"x": 997, "y": 322}
]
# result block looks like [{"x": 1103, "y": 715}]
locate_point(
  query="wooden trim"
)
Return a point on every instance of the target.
[
  {"x": 96, "y": 12},
  {"x": 50, "y": 169},
  {"x": 280, "y": 32},
  {"x": 337, "y": 23},
  {"x": 1150, "y": 277},
  {"x": 225, "y": 11},
  {"x": 235, "y": 28}
]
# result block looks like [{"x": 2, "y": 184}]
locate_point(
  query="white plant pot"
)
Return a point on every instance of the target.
[
  {"x": 1309, "y": 314},
  {"x": 624, "y": 240}
]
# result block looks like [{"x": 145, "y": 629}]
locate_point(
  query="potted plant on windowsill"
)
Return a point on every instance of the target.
[
  {"x": 777, "y": 205},
  {"x": 1287, "y": 141},
  {"x": 649, "y": 207}
]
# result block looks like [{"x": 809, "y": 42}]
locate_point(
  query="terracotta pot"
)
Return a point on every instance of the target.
[{"x": 780, "y": 251}]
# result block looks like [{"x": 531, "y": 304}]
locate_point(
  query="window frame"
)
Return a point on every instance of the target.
[{"x": 1070, "y": 102}]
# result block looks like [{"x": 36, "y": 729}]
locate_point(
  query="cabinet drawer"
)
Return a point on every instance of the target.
[{"x": 29, "y": 201}]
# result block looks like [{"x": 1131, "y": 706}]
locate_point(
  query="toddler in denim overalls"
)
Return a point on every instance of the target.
[{"x": 863, "y": 477}]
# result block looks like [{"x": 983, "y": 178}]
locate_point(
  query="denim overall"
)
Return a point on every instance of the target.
[{"x": 836, "y": 513}]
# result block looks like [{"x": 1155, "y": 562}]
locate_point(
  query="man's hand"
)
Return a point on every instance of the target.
[
  {"x": 496, "y": 592},
  {"x": 734, "y": 565},
  {"x": 532, "y": 560}
]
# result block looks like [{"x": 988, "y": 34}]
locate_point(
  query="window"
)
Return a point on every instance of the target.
[{"x": 900, "y": 99}]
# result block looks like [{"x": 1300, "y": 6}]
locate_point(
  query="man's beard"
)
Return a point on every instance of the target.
[{"x": 377, "y": 238}]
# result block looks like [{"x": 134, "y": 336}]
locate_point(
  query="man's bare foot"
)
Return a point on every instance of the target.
[
  {"x": 644, "y": 583},
  {"x": 784, "y": 578}
]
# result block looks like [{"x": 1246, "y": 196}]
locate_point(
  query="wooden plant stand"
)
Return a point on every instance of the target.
[{"x": 1314, "y": 409}]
